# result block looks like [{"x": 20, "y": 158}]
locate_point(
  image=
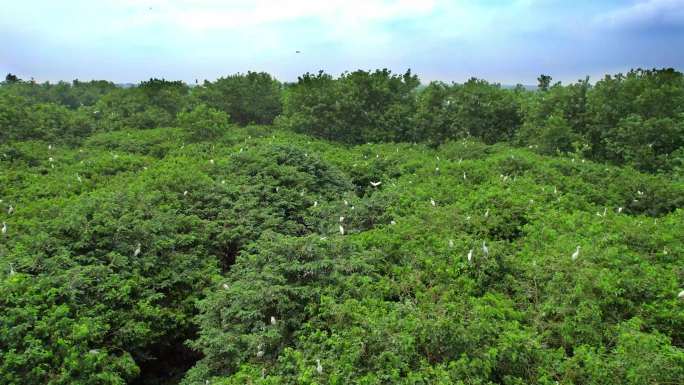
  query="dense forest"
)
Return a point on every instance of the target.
[{"x": 358, "y": 229}]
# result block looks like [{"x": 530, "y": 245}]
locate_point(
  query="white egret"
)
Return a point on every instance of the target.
[
  {"x": 341, "y": 219},
  {"x": 315, "y": 203},
  {"x": 346, "y": 203},
  {"x": 681, "y": 295},
  {"x": 273, "y": 320},
  {"x": 464, "y": 175},
  {"x": 260, "y": 354},
  {"x": 10, "y": 210},
  {"x": 451, "y": 243},
  {"x": 555, "y": 190},
  {"x": 319, "y": 367},
  {"x": 341, "y": 230},
  {"x": 185, "y": 192},
  {"x": 619, "y": 210},
  {"x": 470, "y": 255},
  {"x": 4, "y": 228},
  {"x": 137, "y": 250},
  {"x": 11, "y": 272},
  {"x": 375, "y": 184},
  {"x": 51, "y": 159},
  {"x": 576, "y": 253},
  {"x": 436, "y": 169},
  {"x": 485, "y": 250},
  {"x": 211, "y": 161},
  {"x": 393, "y": 222},
  {"x": 432, "y": 202},
  {"x": 78, "y": 178},
  {"x": 486, "y": 213}
]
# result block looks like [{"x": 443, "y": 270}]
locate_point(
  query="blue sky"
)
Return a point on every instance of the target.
[{"x": 505, "y": 41}]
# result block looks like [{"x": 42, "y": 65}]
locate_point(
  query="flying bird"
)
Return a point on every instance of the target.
[
  {"x": 375, "y": 184},
  {"x": 576, "y": 253},
  {"x": 298, "y": 51}
]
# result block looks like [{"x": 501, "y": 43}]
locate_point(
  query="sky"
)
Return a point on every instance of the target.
[{"x": 505, "y": 41}]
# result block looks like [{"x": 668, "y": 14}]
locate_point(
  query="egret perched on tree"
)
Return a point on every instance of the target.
[
  {"x": 486, "y": 213},
  {"x": 341, "y": 230},
  {"x": 273, "y": 320},
  {"x": 10, "y": 210},
  {"x": 341, "y": 219},
  {"x": 451, "y": 243},
  {"x": 11, "y": 272},
  {"x": 346, "y": 203},
  {"x": 485, "y": 250},
  {"x": 470, "y": 255},
  {"x": 260, "y": 352},
  {"x": 78, "y": 178},
  {"x": 464, "y": 175},
  {"x": 375, "y": 184},
  {"x": 185, "y": 192},
  {"x": 137, "y": 250},
  {"x": 619, "y": 210},
  {"x": 211, "y": 161},
  {"x": 681, "y": 295},
  {"x": 432, "y": 202},
  {"x": 576, "y": 253},
  {"x": 393, "y": 222},
  {"x": 315, "y": 203},
  {"x": 4, "y": 228},
  {"x": 319, "y": 367}
]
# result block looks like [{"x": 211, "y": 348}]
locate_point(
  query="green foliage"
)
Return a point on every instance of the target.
[
  {"x": 254, "y": 97},
  {"x": 357, "y": 107},
  {"x": 203, "y": 122},
  {"x": 159, "y": 255},
  {"x": 475, "y": 108}
]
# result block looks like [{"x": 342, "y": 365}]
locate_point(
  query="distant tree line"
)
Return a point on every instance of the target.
[{"x": 632, "y": 119}]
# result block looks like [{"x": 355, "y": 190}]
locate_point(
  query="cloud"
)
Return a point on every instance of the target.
[{"x": 646, "y": 15}]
